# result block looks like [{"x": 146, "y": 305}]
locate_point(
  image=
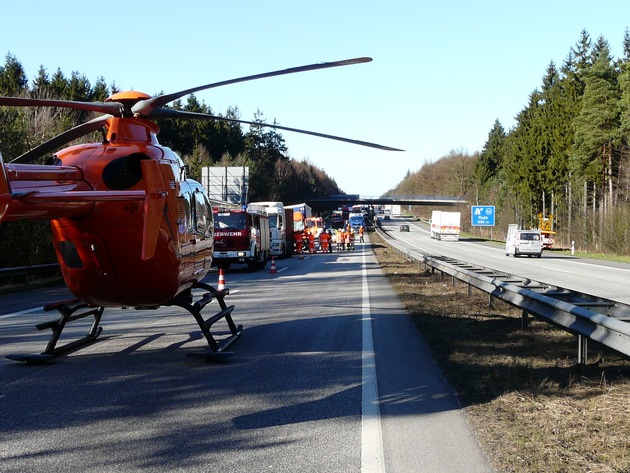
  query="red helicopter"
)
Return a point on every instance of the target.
[{"x": 129, "y": 228}]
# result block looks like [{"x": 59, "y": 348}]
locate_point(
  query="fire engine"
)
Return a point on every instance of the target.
[{"x": 241, "y": 237}]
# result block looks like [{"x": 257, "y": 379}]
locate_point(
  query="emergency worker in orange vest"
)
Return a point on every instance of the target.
[
  {"x": 361, "y": 230},
  {"x": 297, "y": 238},
  {"x": 311, "y": 242},
  {"x": 324, "y": 240},
  {"x": 305, "y": 234}
]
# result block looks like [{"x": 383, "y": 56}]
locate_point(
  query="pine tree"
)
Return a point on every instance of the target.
[
  {"x": 597, "y": 125},
  {"x": 13, "y": 81},
  {"x": 263, "y": 146},
  {"x": 624, "y": 119},
  {"x": 491, "y": 157},
  {"x": 59, "y": 85},
  {"x": 99, "y": 93},
  {"x": 41, "y": 84}
]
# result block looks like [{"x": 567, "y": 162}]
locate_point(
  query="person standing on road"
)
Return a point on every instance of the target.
[
  {"x": 297, "y": 238},
  {"x": 324, "y": 239},
  {"x": 361, "y": 230},
  {"x": 311, "y": 242}
]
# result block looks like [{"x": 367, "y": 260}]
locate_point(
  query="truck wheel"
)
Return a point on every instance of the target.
[
  {"x": 253, "y": 263},
  {"x": 262, "y": 264}
]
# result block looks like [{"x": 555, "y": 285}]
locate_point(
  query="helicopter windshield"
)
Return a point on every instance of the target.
[{"x": 230, "y": 221}]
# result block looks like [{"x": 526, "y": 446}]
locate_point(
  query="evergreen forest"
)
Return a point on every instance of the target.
[
  {"x": 274, "y": 175},
  {"x": 567, "y": 158}
]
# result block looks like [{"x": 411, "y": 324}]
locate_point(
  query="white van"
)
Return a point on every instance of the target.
[{"x": 523, "y": 242}]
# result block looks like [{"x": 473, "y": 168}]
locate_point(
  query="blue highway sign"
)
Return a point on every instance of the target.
[{"x": 482, "y": 215}]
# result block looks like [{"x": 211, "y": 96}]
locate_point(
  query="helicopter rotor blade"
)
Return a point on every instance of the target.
[
  {"x": 146, "y": 107},
  {"x": 178, "y": 114},
  {"x": 111, "y": 108},
  {"x": 62, "y": 139}
]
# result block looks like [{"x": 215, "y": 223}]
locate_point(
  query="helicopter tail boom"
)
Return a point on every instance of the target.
[{"x": 38, "y": 192}]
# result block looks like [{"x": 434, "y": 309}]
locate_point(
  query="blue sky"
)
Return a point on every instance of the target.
[{"x": 443, "y": 72}]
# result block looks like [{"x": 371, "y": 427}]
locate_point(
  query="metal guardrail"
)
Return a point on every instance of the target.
[
  {"x": 26, "y": 273},
  {"x": 589, "y": 317}
]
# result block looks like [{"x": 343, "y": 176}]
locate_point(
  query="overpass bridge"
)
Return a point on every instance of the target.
[{"x": 355, "y": 199}]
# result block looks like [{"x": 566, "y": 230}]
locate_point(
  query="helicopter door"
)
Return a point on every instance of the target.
[
  {"x": 185, "y": 226},
  {"x": 203, "y": 230}
]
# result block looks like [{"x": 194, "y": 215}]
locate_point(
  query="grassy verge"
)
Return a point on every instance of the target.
[{"x": 533, "y": 407}]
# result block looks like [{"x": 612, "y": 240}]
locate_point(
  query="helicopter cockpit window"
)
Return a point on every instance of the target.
[
  {"x": 185, "y": 213},
  {"x": 180, "y": 170},
  {"x": 203, "y": 218}
]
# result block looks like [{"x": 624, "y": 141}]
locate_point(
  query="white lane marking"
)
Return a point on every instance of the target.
[
  {"x": 372, "y": 458},
  {"x": 22, "y": 312},
  {"x": 598, "y": 265},
  {"x": 556, "y": 269}
]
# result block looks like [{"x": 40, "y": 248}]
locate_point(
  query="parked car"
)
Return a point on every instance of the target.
[{"x": 404, "y": 228}]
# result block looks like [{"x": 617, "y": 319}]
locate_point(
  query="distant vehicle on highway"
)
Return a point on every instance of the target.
[
  {"x": 356, "y": 221},
  {"x": 445, "y": 225},
  {"x": 523, "y": 242},
  {"x": 386, "y": 217},
  {"x": 404, "y": 228}
]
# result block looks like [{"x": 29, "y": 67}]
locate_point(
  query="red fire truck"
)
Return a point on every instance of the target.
[{"x": 241, "y": 237}]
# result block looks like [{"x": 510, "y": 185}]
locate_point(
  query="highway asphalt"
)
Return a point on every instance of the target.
[{"x": 328, "y": 375}]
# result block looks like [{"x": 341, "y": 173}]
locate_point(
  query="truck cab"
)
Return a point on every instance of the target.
[{"x": 357, "y": 220}]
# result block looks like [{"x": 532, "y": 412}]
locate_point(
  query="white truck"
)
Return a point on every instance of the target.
[
  {"x": 394, "y": 210},
  {"x": 445, "y": 225},
  {"x": 523, "y": 242},
  {"x": 280, "y": 226},
  {"x": 300, "y": 213}
]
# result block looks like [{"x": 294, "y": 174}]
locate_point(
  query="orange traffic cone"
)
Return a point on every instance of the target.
[
  {"x": 221, "y": 286},
  {"x": 273, "y": 269}
]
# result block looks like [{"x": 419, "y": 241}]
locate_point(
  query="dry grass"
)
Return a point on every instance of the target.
[{"x": 533, "y": 407}]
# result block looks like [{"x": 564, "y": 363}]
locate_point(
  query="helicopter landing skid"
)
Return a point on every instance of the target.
[
  {"x": 68, "y": 310},
  {"x": 217, "y": 347}
]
